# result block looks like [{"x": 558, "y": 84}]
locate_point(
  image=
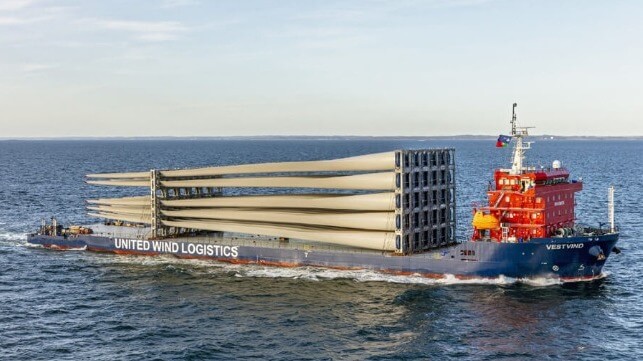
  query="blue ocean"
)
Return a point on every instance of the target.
[{"x": 77, "y": 305}]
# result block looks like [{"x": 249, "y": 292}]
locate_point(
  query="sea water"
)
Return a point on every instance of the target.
[{"x": 82, "y": 305}]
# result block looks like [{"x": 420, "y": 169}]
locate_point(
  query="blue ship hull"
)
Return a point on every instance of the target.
[{"x": 569, "y": 259}]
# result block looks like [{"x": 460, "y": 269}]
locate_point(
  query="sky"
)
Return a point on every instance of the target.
[{"x": 323, "y": 67}]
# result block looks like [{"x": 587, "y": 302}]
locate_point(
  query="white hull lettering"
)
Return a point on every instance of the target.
[
  {"x": 131, "y": 244},
  {"x": 556, "y": 247},
  {"x": 196, "y": 249}
]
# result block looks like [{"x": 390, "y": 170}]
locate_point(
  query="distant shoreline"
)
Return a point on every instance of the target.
[{"x": 314, "y": 137}]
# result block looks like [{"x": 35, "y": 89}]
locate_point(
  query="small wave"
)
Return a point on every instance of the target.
[
  {"x": 541, "y": 281},
  {"x": 31, "y": 245},
  {"x": 161, "y": 260},
  {"x": 83, "y": 248},
  {"x": 591, "y": 279}
]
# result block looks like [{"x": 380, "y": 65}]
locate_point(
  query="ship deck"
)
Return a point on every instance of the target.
[{"x": 132, "y": 232}]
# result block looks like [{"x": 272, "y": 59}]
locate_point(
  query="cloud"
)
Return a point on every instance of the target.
[
  {"x": 18, "y": 20},
  {"x": 29, "y": 16},
  {"x": 144, "y": 30},
  {"x": 378, "y": 10},
  {"x": 33, "y": 67},
  {"x": 168, "y": 4},
  {"x": 9, "y": 5}
]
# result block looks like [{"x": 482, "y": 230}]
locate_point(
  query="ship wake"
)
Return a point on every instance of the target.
[
  {"x": 12, "y": 237},
  {"x": 321, "y": 274},
  {"x": 318, "y": 274}
]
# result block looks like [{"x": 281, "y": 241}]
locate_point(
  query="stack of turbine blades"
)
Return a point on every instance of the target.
[
  {"x": 377, "y": 240},
  {"x": 365, "y": 163},
  {"x": 363, "y": 215},
  {"x": 357, "y": 202},
  {"x": 381, "y": 221}
]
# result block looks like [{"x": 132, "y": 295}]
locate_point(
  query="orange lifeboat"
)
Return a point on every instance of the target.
[{"x": 485, "y": 221}]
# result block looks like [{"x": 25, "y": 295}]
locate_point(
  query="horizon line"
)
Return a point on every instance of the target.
[{"x": 267, "y": 137}]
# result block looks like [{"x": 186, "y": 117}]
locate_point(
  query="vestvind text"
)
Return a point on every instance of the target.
[{"x": 564, "y": 246}]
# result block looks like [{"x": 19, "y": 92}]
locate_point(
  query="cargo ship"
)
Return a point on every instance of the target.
[{"x": 390, "y": 212}]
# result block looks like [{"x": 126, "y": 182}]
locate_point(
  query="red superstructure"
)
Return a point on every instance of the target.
[
  {"x": 533, "y": 204},
  {"x": 526, "y": 203}
]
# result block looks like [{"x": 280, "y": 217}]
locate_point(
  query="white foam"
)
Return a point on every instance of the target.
[
  {"x": 195, "y": 265},
  {"x": 30, "y": 245},
  {"x": 541, "y": 281},
  {"x": 83, "y": 248},
  {"x": 597, "y": 277},
  {"x": 12, "y": 236},
  {"x": 320, "y": 274}
]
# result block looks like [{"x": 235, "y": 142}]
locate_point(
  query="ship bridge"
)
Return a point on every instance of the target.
[{"x": 525, "y": 202}]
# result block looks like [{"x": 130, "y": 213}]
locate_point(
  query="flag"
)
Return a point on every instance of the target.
[{"x": 503, "y": 140}]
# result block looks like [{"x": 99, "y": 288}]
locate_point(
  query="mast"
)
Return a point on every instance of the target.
[
  {"x": 610, "y": 207},
  {"x": 519, "y": 149},
  {"x": 513, "y": 119}
]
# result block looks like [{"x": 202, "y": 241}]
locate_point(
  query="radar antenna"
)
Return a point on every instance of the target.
[{"x": 513, "y": 120}]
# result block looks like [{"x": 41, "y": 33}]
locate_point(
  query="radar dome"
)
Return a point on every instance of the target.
[{"x": 556, "y": 164}]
